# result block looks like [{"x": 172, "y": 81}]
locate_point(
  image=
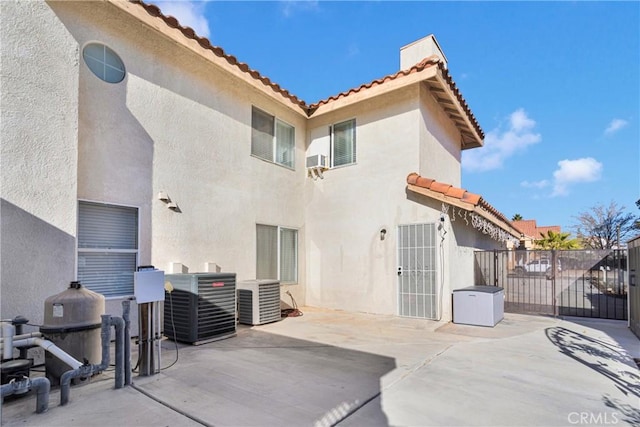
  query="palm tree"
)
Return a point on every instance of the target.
[
  {"x": 517, "y": 217},
  {"x": 553, "y": 240}
]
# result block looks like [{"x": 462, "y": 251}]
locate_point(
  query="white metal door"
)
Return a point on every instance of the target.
[{"x": 417, "y": 271}]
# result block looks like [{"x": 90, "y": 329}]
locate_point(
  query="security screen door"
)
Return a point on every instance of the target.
[{"x": 417, "y": 271}]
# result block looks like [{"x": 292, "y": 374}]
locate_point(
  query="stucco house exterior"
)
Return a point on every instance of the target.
[
  {"x": 128, "y": 140},
  {"x": 531, "y": 231}
]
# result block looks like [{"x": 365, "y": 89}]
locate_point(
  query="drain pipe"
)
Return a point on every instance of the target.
[
  {"x": 41, "y": 385},
  {"x": 126, "y": 307},
  {"x": 88, "y": 369}
]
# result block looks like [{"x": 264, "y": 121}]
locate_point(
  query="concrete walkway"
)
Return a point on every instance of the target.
[{"x": 331, "y": 367}]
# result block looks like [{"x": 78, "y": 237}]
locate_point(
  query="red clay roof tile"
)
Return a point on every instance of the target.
[
  {"x": 440, "y": 187},
  {"x": 309, "y": 109},
  {"x": 412, "y": 178},
  {"x": 424, "y": 182},
  {"x": 526, "y": 226},
  {"x": 546, "y": 228},
  {"x": 530, "y": 228},
  {"x": 422, "y": 65},
  {"x": 454, "y": 192},
  {"x": 205, "y": 43},
  {"x": 472, "y": 198}
]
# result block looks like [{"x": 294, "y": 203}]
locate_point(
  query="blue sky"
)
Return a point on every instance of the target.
[{"x": 554, "y": 85}]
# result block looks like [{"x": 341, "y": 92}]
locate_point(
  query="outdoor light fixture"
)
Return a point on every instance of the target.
[
  {"x": 383, "y": 233},
  {"x": 163, "y": 196}
]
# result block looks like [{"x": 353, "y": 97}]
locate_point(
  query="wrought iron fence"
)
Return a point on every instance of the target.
[{"x": 584, "y": 283}]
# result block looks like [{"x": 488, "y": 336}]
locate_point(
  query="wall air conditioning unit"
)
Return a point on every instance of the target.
[
  {"x": 317, "y": 161},
  {"x": 258, "y": 302},
  {"x": 200, "y": 308}
]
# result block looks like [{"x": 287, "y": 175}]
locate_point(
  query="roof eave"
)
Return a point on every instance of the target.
[
  {"x": 186, "y": 38},
  {"x": 358, "y": 95},
  {"x": 478, "y": 209},
  {"x": 440, "y": 88},
  {"x": 442, "y": 197},
  {"x": 497, "y": 221}
]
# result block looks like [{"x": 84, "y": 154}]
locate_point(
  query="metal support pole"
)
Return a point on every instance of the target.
[
  {"x": 145, "y": 342},
  {"x": 126, "y": 307},
  {"x": 554, "y": 268},
  {"x": 159, "y": 336}
]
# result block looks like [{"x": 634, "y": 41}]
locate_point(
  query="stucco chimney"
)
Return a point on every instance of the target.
[{"x": 415, "y": 52}]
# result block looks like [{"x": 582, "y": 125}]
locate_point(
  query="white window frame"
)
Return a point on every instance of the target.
[
  {"x": 332, "y": 143},
  {"x": 102, "y": 66},
  {"x": 274, "y": 144},
  {"x": 279, "y": 253},
  {"x": 136, "y": 251}
]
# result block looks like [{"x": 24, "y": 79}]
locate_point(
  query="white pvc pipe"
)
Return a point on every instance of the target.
[
  {"x": 51, "y": 348},
  {"x": 7, "y": 340},
  {"x": 23, "y": 336}
]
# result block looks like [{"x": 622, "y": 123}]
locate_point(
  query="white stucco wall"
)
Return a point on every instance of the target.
[
  {"x": 180, "y": 125},
  {"x": 440, "y": 153},
  {"x": 39, "y": 132},
  {"x": 349, "y": 267}
]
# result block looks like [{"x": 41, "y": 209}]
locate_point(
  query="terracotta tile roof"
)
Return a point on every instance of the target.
[
  {"x": 547, "y": 228},
  {"x": 428, "y": 62},
  {"x": 218, "y": 51},
  {"x": 455, "y": 193},
  {"x": 526, "y": 226},
  {"x": 542, "y": 231},
  {"x": 309, "y": 109},
  {"x": 529, "y": 228}
]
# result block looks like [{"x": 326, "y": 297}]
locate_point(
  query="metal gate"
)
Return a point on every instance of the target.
[
  {"x": 417, "y": 271},
  {"x": 634, "y": 285},
  {"x": 584, "y": 283}
]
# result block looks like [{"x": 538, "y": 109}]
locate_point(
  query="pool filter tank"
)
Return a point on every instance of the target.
[{"x": 72, "y": 322}]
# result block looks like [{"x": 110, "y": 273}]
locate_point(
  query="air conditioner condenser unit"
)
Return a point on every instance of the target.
[
  {"x": 201, "y": 307},
  {"x": 317, "y": 161},
  {"x": 258, "y": 301}
]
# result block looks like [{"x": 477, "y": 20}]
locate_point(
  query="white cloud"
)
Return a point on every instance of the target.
[
  {"x": 535, "y": 184},
  {"x": 615, "y": 125},
  {"x": 520, "y": 122},
  {"x": 576, "y": 171},
  {"x": 501, "y": 144},
  {"x": 188, "y": 13},
  {"x": 289, "y": 7}
]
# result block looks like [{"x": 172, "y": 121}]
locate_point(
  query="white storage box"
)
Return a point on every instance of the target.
[
  {"x": 258, "y": 301},
  {"x": 478, "y": 305}
]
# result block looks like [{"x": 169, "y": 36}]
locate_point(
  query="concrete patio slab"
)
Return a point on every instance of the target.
[{"x": 336, "y": 368}]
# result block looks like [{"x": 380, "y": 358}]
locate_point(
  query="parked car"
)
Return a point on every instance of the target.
[{"x": 537, "y": 266}]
